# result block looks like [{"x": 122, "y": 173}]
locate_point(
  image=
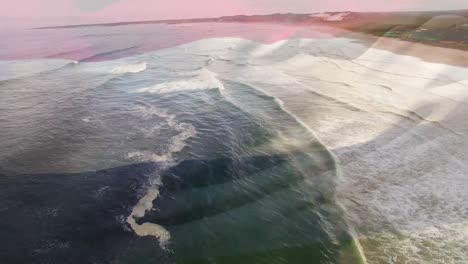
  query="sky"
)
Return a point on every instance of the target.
[{"x": 90, "y": 11}]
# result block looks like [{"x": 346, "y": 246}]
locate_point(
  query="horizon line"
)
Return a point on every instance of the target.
[{"x": 162, "y": 21}]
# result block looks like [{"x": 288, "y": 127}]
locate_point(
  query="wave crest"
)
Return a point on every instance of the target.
[
  {"x": 129, "y": 68},
  {"x": 205, "y": 79}
]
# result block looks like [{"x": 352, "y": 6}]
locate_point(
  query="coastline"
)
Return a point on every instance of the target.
[
  {"x": 433, "y": 36},
  {"x": 425, "y": 52}
]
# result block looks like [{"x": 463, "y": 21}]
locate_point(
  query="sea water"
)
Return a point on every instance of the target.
[{"x": 176, "y": 144}]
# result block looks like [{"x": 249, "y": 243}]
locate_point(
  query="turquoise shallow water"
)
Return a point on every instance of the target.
[{"x": 239, "y": 179}]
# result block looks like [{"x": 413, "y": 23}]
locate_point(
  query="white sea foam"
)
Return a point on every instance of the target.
[
  {"x": 110, "y": 67},
  {"x": 412, "y": 181},
  {"x": 331, "y": 16},
  {"x": 177, "y": 143},
  {"x": 203, "y": 80},
  {"x": 129, "y": 68},
  {"x": 148, "y": 229},
  {"x": 86, "y": 119}
]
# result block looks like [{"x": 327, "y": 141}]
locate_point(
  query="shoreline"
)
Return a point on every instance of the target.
[
  {"x": 425, "y": 52},
  {"x": 438, "y": 52}
]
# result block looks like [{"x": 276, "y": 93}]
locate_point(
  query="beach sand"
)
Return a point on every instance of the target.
[{"x": 427, "y": 53}]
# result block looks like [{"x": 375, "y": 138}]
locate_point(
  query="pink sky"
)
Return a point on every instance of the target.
[
  {"x": 88, "y": 11},
  {"x": 26, "y": 14}
]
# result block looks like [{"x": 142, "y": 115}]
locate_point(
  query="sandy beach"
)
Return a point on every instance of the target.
[{"x": 425, "y": 52}]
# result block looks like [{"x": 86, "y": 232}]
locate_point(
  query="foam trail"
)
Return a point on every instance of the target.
[
  {"x": 166, "y": 160},
  {"x": 148, "y": 229}
]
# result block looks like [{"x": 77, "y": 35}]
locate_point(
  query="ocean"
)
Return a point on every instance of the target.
[{"x": 178, "y": 144}]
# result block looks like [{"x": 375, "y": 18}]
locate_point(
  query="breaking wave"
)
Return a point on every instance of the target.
[
  {"x": 204, "y": 79},
  {"x": 130, "y": 68},
  {"x": 113, "y": 67}
]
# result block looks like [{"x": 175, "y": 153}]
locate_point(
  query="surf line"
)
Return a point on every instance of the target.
[{"x": 350, "y": 229}]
